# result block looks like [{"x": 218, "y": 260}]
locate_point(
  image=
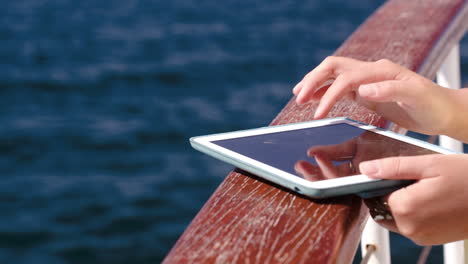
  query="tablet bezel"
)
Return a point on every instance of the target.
[{"x": 319, "y": 189}]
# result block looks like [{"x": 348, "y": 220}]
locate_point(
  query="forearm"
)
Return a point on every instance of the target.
[{"x": 458, "y": 118}]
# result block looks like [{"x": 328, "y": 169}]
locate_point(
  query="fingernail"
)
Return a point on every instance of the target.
[
  {"x": 318, "y": 112},
  {"x": 367, "y": 90},
  {"x": 297, "y": 167},
  {"x": 369, "y": 168},
  {"x": 296, "y": 88}
]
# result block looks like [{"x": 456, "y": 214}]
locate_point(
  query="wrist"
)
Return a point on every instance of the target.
[{"x": 456, "y": 116}]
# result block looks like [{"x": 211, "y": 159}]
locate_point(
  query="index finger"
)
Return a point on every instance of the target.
[
  {"x": 325, "y": 71},
  {"x": 350, "y": 80},
  {"x": 338, "y": 152}
]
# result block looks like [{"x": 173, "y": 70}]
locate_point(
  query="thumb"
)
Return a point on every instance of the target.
[
  {"x": 404, "y": 168},
  {"x": 389, "y": 91}
]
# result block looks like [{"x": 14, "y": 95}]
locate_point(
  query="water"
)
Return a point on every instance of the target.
[{"x": 99, "y": 99}]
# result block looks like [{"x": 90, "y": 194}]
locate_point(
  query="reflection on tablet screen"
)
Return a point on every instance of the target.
[{"x": 314, "y": 154}]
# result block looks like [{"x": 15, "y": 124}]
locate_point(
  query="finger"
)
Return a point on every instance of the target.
[
  {"x": 321, "y": 91},
  {"x": 311, "y": 85},
  {"x": 323, "y": 75},
  {"x": 415, "y": 167},
  {"x": 308, "y": 171},
  {"x": 297, "y": 89},
  {"x": 350, "y": 81},
  {"x": 317, "y": 94},
  {"x": 337, "y": 152},
  {"x": 337, "y": 90},
  {"x": 345, "y": 169},
  {"x": 328, "y": 169},
  {"x": 391, "y": 91}
]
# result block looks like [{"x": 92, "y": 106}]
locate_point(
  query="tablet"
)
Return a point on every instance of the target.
[{"x": 319, "y": 158}]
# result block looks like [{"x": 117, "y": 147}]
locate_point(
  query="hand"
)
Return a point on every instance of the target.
[
  {"x": 434, "y": 209},
  {"x": 324, "y": 157},
  {"x": 395, "y": 92},
  {"x": 348, "y": 154}
]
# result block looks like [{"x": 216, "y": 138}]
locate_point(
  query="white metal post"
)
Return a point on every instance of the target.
[
  {"x": 377, "y": 236},
  {"x": 449, "y": 76}
]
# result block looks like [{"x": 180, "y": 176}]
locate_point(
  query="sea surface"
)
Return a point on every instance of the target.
[{"x": 99, "y": 98}]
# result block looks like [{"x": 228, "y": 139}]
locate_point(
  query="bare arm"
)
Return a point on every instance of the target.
[{"x": 458, "y": 123}]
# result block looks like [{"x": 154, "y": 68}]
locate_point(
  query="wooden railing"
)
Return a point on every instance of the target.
[{"x": 249, "y": 220}]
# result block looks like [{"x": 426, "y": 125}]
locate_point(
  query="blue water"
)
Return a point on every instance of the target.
[{"x": 99, "y": 99}]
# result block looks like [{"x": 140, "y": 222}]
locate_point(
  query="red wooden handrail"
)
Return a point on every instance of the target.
[{"x": 248, "y": 220}]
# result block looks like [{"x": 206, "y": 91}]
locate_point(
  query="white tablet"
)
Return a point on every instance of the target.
[{"x": 318, "y": 158}]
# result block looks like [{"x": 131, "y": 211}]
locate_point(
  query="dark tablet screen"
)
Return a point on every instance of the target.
[{"x": 322, "y": 152}]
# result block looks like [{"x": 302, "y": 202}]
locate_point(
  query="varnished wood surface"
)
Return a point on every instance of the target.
[{"x": 248, "y": 220}]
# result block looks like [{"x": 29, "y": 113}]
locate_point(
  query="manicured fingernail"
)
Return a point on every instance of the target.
[
  {"x": 367, "y": 90},
  {"x": 369, "y": 168}
]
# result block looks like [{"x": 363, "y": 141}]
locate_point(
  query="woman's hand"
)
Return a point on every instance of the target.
[
  {"x": 395, "y": 92},
  {"x": 349, "y": 154},
  {"x": 434, "y": 209}
]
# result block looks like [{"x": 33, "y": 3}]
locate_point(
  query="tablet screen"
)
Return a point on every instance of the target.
[{"x": 319, "y": 153}]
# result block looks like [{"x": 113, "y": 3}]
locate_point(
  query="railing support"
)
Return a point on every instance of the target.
[
  {"x": 378, "y": 236},
  {"x": 449, "y": 76}
]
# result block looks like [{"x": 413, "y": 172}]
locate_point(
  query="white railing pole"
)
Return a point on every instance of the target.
[
  {"x": 375, "y": 235},
  {"x": 449, "y": 76}
]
